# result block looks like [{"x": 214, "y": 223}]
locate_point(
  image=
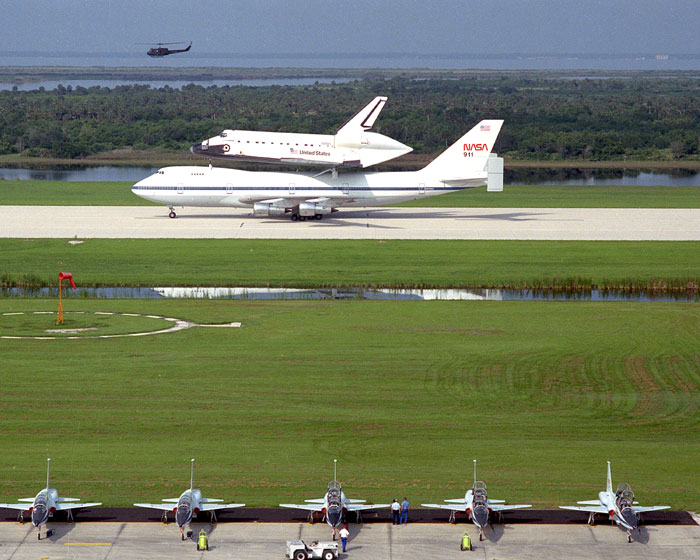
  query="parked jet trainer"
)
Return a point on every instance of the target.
[
  {"x": 477, "y": 506},
  {"x": 463, "y": 165},
  {"x": 45, "y": 504},
  {"x": 352, "y": 146},
  {"x": 334, "y": 505},
  {"x": 188, "y": 505},
  {"x": 620, "y": 507}
]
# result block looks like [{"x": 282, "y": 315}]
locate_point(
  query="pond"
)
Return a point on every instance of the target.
[
  {"x": 573, "y": 176},
  {"x": 350, "y": 293}
]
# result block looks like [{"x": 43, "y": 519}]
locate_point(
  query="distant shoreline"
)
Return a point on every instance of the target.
[{"x": 27, "y": 74}]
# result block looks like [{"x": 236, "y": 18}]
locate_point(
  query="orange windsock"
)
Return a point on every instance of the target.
[{"x": 67, "y": 276}]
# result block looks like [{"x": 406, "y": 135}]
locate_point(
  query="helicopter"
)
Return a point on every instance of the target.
[{"x": 160, "y": 50}]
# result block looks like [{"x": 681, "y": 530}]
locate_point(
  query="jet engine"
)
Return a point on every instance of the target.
[
  {"x": 268, "y": 209},
  {"x": 313, "y": 208}
]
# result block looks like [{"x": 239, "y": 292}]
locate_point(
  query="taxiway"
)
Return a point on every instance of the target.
[
  {"x": 584, "y": 224},
  {"x": 121, "y": 540}
]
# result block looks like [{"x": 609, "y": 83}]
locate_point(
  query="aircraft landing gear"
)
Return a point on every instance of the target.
[
  {"x": 172, "y": 213},
  {"x": 629, "y": 537},
  {"x": 295, "y": 217},
  {"x": 481, "y": 536},
  {"x": 20, "y": 517},
  {"x": 591, "y": 519},
  {"x": 164, "y": 518}
]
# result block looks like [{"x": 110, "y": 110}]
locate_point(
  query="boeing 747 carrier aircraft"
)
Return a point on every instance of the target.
[{"x": 463, "y": 165}]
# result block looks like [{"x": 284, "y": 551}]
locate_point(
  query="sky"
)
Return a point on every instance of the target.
[{"x": 357, "y": 26}]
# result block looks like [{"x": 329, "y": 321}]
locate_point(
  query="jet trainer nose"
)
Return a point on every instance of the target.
[
  {"x": 335, "y": 515},
  {"x": 630, "y": 518},
  {"x": 481, "y": 515}
]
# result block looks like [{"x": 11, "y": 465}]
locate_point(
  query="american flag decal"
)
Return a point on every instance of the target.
[{"x": 485, "y": 128}]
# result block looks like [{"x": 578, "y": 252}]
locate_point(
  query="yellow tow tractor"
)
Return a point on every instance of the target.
[
  {"x": 466, "y": 543},
  {"x": 202, "y": 541}
]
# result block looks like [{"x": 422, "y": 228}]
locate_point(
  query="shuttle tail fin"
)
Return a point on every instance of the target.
[
  {"x": 468, "y": 155},
  {"x": 362, "y": 121}
]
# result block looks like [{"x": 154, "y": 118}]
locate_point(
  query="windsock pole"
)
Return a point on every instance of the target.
[{"x": 59, "y": 318}]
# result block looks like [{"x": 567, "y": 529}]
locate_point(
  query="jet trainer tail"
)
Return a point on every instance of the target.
[
  {"x": 466, "y": 156},
  {"x": 608, "y": 486}
]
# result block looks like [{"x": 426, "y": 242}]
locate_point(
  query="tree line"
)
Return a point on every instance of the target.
[{"x": 640, "y": 117}]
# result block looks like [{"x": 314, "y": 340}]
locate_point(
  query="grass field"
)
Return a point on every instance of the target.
[
  {"x": 118, "y": 193},
  {"x": 313, "y": 263},
  {"x": 403, "y": 394}
]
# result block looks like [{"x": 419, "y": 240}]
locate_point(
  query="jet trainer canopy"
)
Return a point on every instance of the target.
[{"x": 624, "y": 495}]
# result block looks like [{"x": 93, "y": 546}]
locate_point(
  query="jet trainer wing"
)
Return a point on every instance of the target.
[
  {"x": 164, "y": 507},
  {"x": 213, "y": 507},
  {"x": 589, "y": 509},
  {"x": 642, "y": 509},
  {"x": 497, "y": 507},
  {"x": 73, "y": 505},
  {"x": 358, "y": 507},
  {"x": 307, "y": 507},
  {"x": 23, "y": 507},
  {"x": 452, "y": 507}
]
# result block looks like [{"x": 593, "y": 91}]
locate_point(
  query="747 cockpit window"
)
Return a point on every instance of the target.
[{"x": 223, "y": 134}]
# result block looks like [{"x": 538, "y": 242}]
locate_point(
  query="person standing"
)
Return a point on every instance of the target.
[
  {"x": 395, "y": 511},
  {"x": 404, "y": 511},
  {"x": 344, "y": 534}
]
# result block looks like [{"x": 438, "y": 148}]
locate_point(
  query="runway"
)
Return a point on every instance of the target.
[
  {"x": 584, "y": 224},
  {"x": 248, "y": 541}
]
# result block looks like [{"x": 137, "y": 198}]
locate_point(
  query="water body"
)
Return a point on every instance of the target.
[
  {"x": 572, "y": 177},
  {"x": 349, "y": 293},
  {"x": 505, "y": 61},
  {"x": 53, "y": 84}
]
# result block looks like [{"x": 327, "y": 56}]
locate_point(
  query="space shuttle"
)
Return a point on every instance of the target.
[{"x": 352, "y": 146}]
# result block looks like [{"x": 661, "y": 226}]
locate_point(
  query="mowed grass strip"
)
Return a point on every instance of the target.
[
  {"x": 318, "y": 263},
  {"x": 403, "y": 394},
  {"x": 118, "y": 193}
]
